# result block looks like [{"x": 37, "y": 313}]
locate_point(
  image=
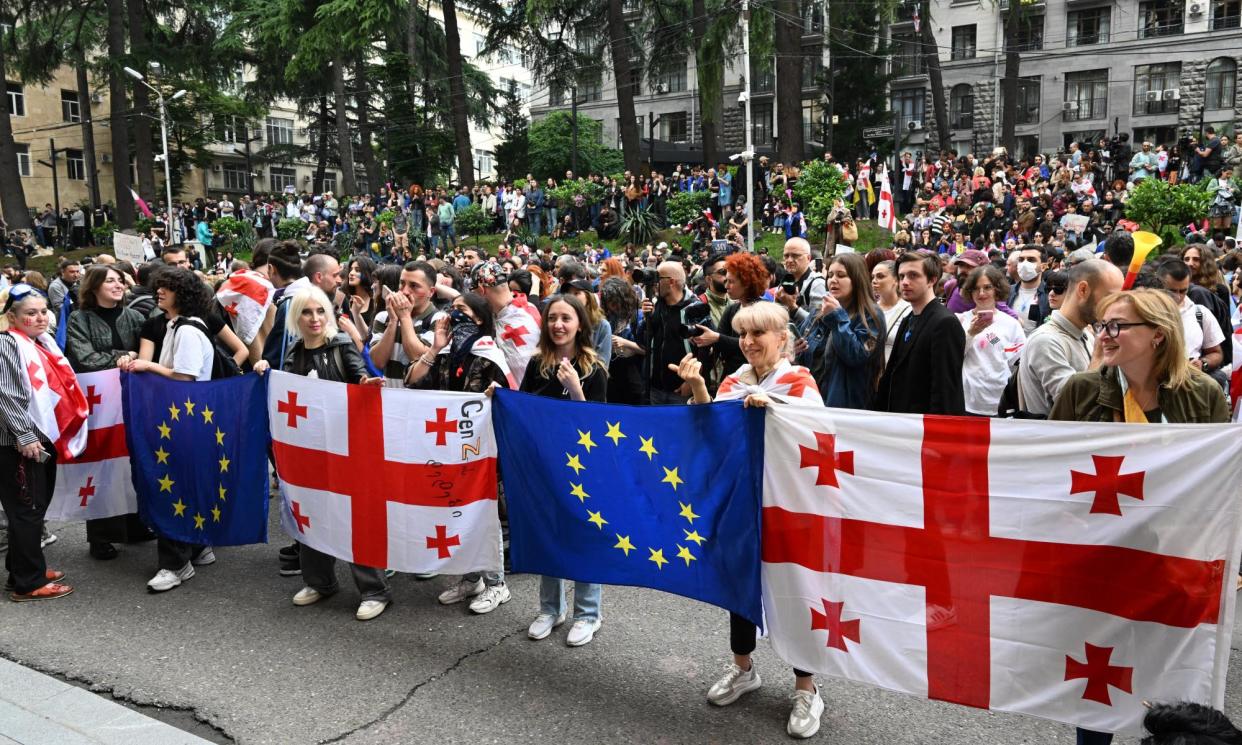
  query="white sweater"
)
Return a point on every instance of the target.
[{"x": 989, "y": 360}]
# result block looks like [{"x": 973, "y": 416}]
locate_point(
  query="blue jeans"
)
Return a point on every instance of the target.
[
  {"x": 535, "y": 216},
  {"x": 551, "y": 221},
  {"x": 586, "y": 598},
  {"x": 1088, "y": 737},
  {"x": 449, "y": 235}
]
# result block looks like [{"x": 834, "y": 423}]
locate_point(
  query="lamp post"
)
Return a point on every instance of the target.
[{"x": 159, "y": 95}]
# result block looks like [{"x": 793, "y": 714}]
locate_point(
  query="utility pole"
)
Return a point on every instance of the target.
[
  {"x": 55, "y": 187},
  {"x": 573, "y": 115},
  {"x": 749, "y": 153}
]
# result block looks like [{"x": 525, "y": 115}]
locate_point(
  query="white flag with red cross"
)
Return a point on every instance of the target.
[
  {"x": 245, "y": 296},
  {"x": 97, "y": 483},
  {"x": 1063, "y": 570},
  {"x": 886, "y": 212},
  {"x": 385, "y": 477}
]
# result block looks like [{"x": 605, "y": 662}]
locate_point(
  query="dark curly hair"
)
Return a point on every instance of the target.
[
  {"x": 750, "y": 271},
  {"x": 193, "y": 296},
  {"x": 1186, "y": 723}
]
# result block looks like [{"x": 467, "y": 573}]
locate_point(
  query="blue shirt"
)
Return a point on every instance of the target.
[{"x": 460, "y": 202}]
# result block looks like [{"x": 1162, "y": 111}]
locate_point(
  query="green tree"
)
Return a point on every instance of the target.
[
  {"x": 817, "y": 189},
  {"x": 1161, "y": 207},
  {"x": 859, "y": 61},
  {"x": 513, "y": 154},
  {"x": 551, "y": 142}
]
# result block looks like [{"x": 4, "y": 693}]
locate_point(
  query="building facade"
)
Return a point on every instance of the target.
[{"x": 1155, "y": 69}]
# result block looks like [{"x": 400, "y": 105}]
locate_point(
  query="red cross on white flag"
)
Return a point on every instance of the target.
[
  {"x": 97, "y": 483},
  {"x": 1054, "y": 569}
]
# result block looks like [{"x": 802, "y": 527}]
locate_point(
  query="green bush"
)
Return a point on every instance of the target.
[
  {"x": 638, "y": 225},
  {"x": 471, "y": 221},
  {"x": 143, "y": 225},
  {"x": 591, "y": 191},
  {"x": 1162, "y": 208},
  {"x": 290, "y": 229},
  {"x": 817, "y": 190},
  {"x": 685, "y": 206},
  {"x": 386, "y": 217},
  {"x": 103, "y": 233}
]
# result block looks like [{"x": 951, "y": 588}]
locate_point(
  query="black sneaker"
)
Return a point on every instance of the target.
[
  {"x": 290, "y": 552},
  {"x": 103, "y": 551}
]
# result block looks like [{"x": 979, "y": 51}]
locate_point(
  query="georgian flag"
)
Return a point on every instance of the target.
[
  {"x": 56, "y": 405},
  {"x": 886, "y": 214},
  {"x": 97, "y": 482},
  {"x": 1065, "y": 571},
  {"x": 787, "y": 383},
  {"x": 245, "y": 296},
  {"x": 384, "y": 477},
  {"x": 517, "y": 335}
]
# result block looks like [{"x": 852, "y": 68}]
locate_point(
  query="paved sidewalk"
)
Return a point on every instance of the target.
[{"x": 37, "y": 709}]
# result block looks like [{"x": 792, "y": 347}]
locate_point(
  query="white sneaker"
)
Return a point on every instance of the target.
[
  {"x": 463, "y": 589},
  {"x": 203, "y": 559},
  {"x": 807, "y": 709},
  {"x": 370, "y": 609},
  {"x": 733, "y": 685},
  {"x": 490, "y": 599},
  {"x": 47, "y": 539},
  {"x": 582, "y": 632},
  {"x": 543, "y": 625},
  {"x": 165, "y": 579},
  {"x": 307, "y": 596},
  {"x": 424, "y": 575}
]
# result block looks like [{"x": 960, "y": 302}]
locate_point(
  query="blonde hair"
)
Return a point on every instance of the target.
[
  {"x": 765, "y": 316},
  {"x": 4, "y": 317},
  {"x": 1155, "y": 307},
  {"x": 299, "y": 301}
]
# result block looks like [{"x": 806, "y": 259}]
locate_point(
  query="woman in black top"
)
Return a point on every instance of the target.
[
  {"x": 360, "y": 287},
  {"x": 566, "y": 367}
]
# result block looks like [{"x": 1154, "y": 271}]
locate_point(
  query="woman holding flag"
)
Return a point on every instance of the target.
[
  {"x": 42, "y": 419},
  {"x": 768, "y": 378}
]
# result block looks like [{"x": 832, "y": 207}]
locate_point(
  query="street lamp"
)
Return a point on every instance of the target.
[{"x": 159, "y": 95}]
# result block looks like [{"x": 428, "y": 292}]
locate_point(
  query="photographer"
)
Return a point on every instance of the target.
[
  {"x": 803, "y": 289},
  {"x": 668, "y": 324}
]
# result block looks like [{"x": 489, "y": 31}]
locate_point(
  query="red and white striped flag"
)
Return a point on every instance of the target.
[
  {"x": 886, "y": 212},
  {"x": 97, "y": 483},
  {"x": 142, "y": 205},
  {"x": 245, "y": 296},
  {"x": 1065, "y": 571},
  {"x": 385, "y": 477}
]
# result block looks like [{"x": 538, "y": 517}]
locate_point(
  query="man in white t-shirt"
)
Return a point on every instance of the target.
[
  {"x": 1203, "y": 333},
  {"x": 1029, "y": 296}
]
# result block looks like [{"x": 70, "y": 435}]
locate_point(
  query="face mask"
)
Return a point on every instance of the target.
[
  {"x": 1027, "y": 271},
  {"x": 458, "y": 316}
]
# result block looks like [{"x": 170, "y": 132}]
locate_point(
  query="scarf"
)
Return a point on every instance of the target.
[
  {"x": 56, "y": 403},
  {"x": 1132, "y": 410}
]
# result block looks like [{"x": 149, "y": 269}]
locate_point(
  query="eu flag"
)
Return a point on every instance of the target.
[
  {"x": 199, "y": 456},
  {"x": 666, "y": 497}
]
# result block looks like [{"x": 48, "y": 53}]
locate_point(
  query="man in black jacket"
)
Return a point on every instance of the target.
[
  {"x": 924, "y": 372},
  {"x": 660, "y": 333}
]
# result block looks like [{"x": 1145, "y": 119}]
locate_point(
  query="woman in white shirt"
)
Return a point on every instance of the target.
[
  {"x": 884, "y": 285},
  {"x": 994, "y": 341}
]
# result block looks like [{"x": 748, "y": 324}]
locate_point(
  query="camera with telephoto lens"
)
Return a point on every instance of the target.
[
  {"x": 692, "y": 317},
  {"x": 789, "y": 287},
  {"x": 643, "y": 276}
]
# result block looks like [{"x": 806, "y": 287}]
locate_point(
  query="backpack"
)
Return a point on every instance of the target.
[{"x": 222, "y": 364}]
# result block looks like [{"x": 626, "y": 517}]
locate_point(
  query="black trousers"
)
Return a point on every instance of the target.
[
  {"x": 742, "y": 634},
  {"x": 25, "y": 491},
  {"x": 174, "y": 555}
]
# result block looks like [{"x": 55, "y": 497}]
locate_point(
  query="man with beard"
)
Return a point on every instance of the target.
[{"x": 714, "y": 293}]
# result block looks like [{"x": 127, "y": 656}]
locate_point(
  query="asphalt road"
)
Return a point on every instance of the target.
[{"x": 230, "y": 648}]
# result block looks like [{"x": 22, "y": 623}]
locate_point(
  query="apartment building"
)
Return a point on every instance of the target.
[{"x": 1090, "y": 68}]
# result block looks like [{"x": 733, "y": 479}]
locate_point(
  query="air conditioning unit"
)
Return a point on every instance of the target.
[
  {"x": 661, "y": 88},
  {"x": 215, "y": 167},
  {"x": 1173, "y": 94},
  {"x": 96, "y": 98},
  {"x": 107, "y": 158},
  {"x": 914, "y": 126},
  {"x": 1152, "y": 96},
  {"x": 1196, "y": 10},
  {"x": 1069, "y": 106}
]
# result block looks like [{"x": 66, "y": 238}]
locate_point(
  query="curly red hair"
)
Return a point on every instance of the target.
[
  {"x": 611, "y": 267},
  {"x": 750, "y": 271}
]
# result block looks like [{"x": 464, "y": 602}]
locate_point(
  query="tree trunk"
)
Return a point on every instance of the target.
[
  {"x": 411, "y": 44},
  {"x": 788, "y": 33},
  {"x": 931, "y": 58},
  {"x": 12, "y": 195},
  {"x": 118, "y": 111},
  {"x": 321, "y": 152},
  {"x": 144, "y": 148},
  {"x": 344, "y": 142},
  {"x": 619, "y": 49},
  {"x": 710, "y": 83},
  {"x": 88, "y": 131},
  {"x": 457, "y": 92},
  {"x": 362, "y": 97},
  {"x": 1009, "y": 84}
]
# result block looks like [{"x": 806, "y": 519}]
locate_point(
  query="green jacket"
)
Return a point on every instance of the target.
[
  {"x": 1095, "y": 396},
  {"x": 88, "y": 340}
]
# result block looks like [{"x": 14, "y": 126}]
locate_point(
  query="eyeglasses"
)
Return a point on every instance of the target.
[{"x": 1112, "y": 329}]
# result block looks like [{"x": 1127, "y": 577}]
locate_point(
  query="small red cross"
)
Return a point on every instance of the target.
[
  {"x": 1099, "y": 674},
  {"x": 826, "y": 459},
  {"x": 88, "y": 491},
  {"x": 830, "y": 621},
  {"x": 92, "y": 398},
  {"x": 33, "y": 371},
  {"x": 231, "y": 308},
  {"x": 442, "y": 426},
  {"x": 516, "y": 334},
  {"x": 443, "y": 542},
  {"x": 1107, "y": 482},
  {"x": 798, "y": 381},
  {"x": 291, "y": 408},
  {"x": 303, "y": 521}
]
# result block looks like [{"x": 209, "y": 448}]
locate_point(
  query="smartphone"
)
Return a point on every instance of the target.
[
  {"x": 986, "y": 315},
  {"x": 385, "y": 292}
]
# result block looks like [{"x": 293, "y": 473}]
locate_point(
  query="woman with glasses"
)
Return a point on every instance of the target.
[
  {"x": 99, "y": 332},
  {"x": 994, "y": 341},
  {"x": 1145, "y": 378},
  {"x": 32, "y": 427}
]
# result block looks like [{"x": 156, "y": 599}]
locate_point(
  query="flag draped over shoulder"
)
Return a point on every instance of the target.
[
  {"x": 97, "y": 483},
  {"x": 1068, "y": 571},
  {"x": 199, "y": 456},
  {"x": 659, "y": 497},
  {"x": 245, "y": 296}
]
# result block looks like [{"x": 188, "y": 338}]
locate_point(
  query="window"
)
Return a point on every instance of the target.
[
  {"x": 762, "y": 81},
  {"x": 1155, "y": 135},
  {"x": 963, "y": 42},
  {"x": 673, "y": 80},
  {"x": 675, "y": 127},
  {"x": 279, "y": 179},
  {"x": 23, "y": 159},
  {"x": 17, "y": 98},
  {"x": 230, "y": 129},
  {"x": 234, "y": 176},
  {"x": 908, "y": 104},
  {"x": 1086, "y": 95},
  {"x": 589, "y": 91},
  {"x": 556, "y": 95},
  {"x": 1226, "y": 14},
  {"x": 1160, "y": 18},
  {"x": 812, "y": 121},
  {"x": 812, "y": 69},
  {"x": 636, "y": 77},
  {"x": 962, "y": 107},
  {"x": 75, "y": 165},
  {"x": 638, "y": 120},
  {"x": 1222, "y": 83},
  {"x": 761, "y": 121},
  {"x": 812, "y": 17},
  {"x": 1030, "y": 35},
  {"x": 70, "y": 111},
  {"x": 1086, "y": 27},
  {"x": 483, "y": 162},
  {"x": 1028, "y": 146},
  {"x": 279, "y": 131},
  {"x": 1155, "y": 88},
  {"x": 907, "y": 54},
  {"x": 480, "y": 43},
  {"x": 1028, "y": 100},
  {"x": 329, "y": 181}
]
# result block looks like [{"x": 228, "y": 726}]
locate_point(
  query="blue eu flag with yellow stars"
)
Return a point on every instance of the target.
[
  {"x": 199, "y": 457},
  {"x": 666, "y": 497}
]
